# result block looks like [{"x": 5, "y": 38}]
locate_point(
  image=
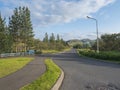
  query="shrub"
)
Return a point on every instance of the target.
[
  {"x": 102, "y": 55},
  {"x": 38, "y": 52}
]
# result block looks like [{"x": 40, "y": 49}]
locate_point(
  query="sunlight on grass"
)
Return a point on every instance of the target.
[
  {"x": 47, "y": 80},
  {"x": 54, "y": 51},
  {"x": 10, "y": 65},
  {"x": 49, "y": 51}
]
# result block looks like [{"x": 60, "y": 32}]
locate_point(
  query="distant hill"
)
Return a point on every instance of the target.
[
  {"x": 74, "y": 42},
  {"x": 82, "y": 42}
]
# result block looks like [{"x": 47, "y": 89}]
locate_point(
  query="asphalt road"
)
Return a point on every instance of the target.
[
  {"x": 87, "y": 74},
  {"x": 23, "y": 76}
]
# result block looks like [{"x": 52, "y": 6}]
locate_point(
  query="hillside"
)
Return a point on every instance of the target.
[{"x": 82, "y": 42}]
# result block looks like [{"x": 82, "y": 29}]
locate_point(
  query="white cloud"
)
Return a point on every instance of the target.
[{"x": 45, "y": 12}]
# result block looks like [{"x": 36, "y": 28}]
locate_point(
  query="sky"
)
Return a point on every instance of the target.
[{"x": 68, "y": 17}]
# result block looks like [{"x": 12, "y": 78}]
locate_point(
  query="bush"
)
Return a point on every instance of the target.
[
  {"x": 38, "y": 52},
  {"x": 102, "y": 55}
]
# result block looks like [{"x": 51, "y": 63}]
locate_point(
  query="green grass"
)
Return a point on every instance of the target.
[
  {"x": 49, "y": 51},
  {"x": 111, "y": 56},
  {"x": 47, "y": 80},
  {"x": 10, "y": 65},
  {"x": 54, "y": 51}
]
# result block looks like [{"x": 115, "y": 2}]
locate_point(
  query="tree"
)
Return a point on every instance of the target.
[
  {"x": 5, "y": 40},
  {"x": 8, "y": 41},
  {"x": 2, "y": 35},
  {"x": 109, "y": 42},
  {"x": 14, "y": 27},
  {"x": 58, "y": 38},
  {"x": 78, "y": 46},
  {"x": 52, "y": 38},
  {"x": 20, "y": 27},
  {"x": 28, "y": 30},
  {"x": 45, "y": 38}
]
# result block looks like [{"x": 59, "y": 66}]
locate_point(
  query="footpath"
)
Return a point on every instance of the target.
[{"x": 23, "y": 76}]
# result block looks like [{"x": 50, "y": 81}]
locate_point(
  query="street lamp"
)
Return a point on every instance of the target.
[{"x": 96, "y": 32}]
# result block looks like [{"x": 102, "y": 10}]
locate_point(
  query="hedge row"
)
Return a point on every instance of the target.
[{"x": 102, "y": 55}]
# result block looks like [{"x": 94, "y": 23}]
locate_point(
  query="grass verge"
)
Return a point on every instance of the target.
[
  {"x": 54, "y": 51},
  {"x": 49, "y": 51},
  {"x": 47, "y": 80},
  {"x": 109, "y": 56},
  {"x": 10, "y": 65}
]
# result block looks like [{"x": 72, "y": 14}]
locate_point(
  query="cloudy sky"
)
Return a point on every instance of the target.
[{"x": 68, "y": 17}]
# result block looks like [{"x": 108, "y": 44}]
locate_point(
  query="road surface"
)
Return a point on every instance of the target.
[
  {"x": 24, "y": 76},
  {"x": 87, "y": 74}
]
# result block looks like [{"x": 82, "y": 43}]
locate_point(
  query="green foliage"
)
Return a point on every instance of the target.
[
  {"x": 77, "y": 46},
  {"x": 10, "y": 65},
  {"x": 106, "y": 55},
  {"x": 18, "y": 32},
  {"x": 58, "y": 38},
  {"x": 5, "y": 40},
  {"x": 47, "y": 80},
  {"x": 46, "y": 38},
  {"x": 53, "y": 43},
  {"x": 109, "y": 42},
  {"x": 83, "y": 44},
  {"x": 20, "y": 27},
  {"x": 18, "y": 35},
  {"x": 52, "y": 38},
  {"x": 38, "y": 52}
]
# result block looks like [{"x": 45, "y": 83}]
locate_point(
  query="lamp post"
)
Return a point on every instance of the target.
[{"x": 96, "y": 31}]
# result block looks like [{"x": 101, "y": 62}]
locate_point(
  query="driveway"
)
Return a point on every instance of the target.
[{"x": 87, "y": 74}]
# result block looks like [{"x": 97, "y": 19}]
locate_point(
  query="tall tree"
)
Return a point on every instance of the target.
[
  {"x": 20, "y": 27},
  {"x": 52, "y": 38},
  {"x": 58, "y": 38},
  {"x": 27, "y": 26},
  {"x": 14, "y": 28},
  {"x": 5, "y": 39},
  {"x": 45, "y": 39},
  {"x": 2, "y": 34}
]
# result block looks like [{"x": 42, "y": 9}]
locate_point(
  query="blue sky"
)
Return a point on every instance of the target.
[{"x": 68, "y": 17}]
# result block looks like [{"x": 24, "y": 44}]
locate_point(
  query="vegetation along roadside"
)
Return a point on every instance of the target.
[
  {"x": 111, "y": 56},
  {"x": 47, "y": 80}
]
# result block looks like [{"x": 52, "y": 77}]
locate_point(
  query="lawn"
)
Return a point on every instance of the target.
[
  {"x": 49, "y": 51},
  {"x": 54, "y": 51},
  {"x": 47, "y": 80},
  {"x": 10, "y": 65}
]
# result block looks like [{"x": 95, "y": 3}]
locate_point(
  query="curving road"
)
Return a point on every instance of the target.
[
  {"x": 80, "y": 73},
  {"x": 87, "y": 74},
  {"x": 23, "y": 76}
]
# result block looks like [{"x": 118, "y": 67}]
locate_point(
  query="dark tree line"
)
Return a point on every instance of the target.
[
  {"x": 17, "y": 35},
  {"x": 52, "y": 42},
  {"x": 109, "y": 42}
]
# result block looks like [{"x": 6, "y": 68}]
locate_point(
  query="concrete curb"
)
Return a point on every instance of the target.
[{"x": 59, "y": 81}]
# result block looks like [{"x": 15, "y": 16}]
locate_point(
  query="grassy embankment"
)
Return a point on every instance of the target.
[
  {"x": 47, "y": 80},
  {"x": 54, "y": 51},
  {"x": 110, "y": 56},
  {"x": 10, "y": 65}
]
